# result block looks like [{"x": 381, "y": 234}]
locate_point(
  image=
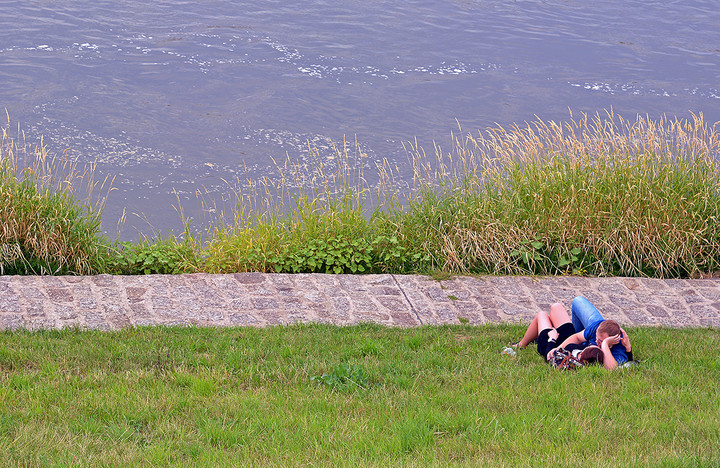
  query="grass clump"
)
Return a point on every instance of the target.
[
  {"x": 595, "y": 196},
  {"x": 601, "y": 196},
  {"x": 44, "y": 228},
  {"x": 425, "y": 396},
  {"x": 312, "y": 218}
]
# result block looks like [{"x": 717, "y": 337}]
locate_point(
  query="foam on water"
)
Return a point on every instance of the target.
[{"x": 640, "y": 90}]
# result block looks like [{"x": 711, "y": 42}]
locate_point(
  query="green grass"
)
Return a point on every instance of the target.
[
  {"x": 597, "y": 195},
  {"x": 402, "y": 397},
  {"x": 44, "y": 227}
]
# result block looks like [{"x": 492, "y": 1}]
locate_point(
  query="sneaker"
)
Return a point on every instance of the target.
[{"x": 591, "y": 354}]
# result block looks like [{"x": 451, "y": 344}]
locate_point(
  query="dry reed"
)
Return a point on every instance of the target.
[{"x": 637, "y": 197}]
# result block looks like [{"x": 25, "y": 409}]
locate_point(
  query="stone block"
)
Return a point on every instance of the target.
[
  {"x": 240, "y": 319},
  {"x": 384, "y": 291},
  {"x": 9, "y": 305},
  {"x": 65, "y": 312},
  {"x": 712, "y": 294},
  {"x": 103, "y": 281},
  {"x": 60, "y": 294},
  {"x": 243, "y": 303},
  {"x": 162, "y": 302},
  {"x": 713, "y": 322},
  {"x": 404, "y": 319},
  {"x": 624, "y": 302},
  {"x": 31, "y": 292},
  {"x": 12, "y": 322},
  {"x": 87, "y": 303},
  {"x": 263, "y": 303},
  {"x": 436, "y": 294},
  {"x": 249, "y": 278},
  {"x": 691, "y": 297},
  {"x": 393, "y": 304},
  {"x": 40, "y": 323},
  {"x": 135, "y": 294},
  {"x": 657, "y": 311},
  {"x": 612, "y": 287},
  {"x": 654, "y": 284}
]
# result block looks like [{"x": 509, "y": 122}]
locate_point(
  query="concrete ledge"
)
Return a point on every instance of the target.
[{"x": 257, "y": 299}]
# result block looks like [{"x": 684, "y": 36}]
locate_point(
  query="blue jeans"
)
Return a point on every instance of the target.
[{"x": 584, "y": 314}]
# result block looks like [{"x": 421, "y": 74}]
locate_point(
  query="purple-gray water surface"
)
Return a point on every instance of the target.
[{"x": 175, "y": 96}]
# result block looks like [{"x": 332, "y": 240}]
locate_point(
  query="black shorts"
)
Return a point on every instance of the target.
[{"x": 545, "y": 344}]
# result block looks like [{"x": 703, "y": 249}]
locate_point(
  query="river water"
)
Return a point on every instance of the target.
[{"x": 173, "y": 96}]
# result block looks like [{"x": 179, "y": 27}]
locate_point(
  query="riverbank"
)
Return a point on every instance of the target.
[
  {"x": 593, "y": 196},
  {"x": 255, "y": 299}
]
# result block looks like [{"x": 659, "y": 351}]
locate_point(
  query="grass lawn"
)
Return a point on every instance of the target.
[{"x": 381, "y": 396}]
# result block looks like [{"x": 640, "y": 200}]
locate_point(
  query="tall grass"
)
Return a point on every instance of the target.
[
  {"x": 598, "y": 195},
  {"x": 297, "y": 219},
  {"x": 595, "y": 195},
  {"x": 603, "y": 195},
  {"x": 45, "y": 228}
]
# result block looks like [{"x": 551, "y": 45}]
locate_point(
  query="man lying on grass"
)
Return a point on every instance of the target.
[
  {"x": 557, "y": 327},
  {"x": 592, "y": 329}
]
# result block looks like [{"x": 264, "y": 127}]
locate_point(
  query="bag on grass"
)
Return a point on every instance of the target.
[{"x": 561, "y": 359}]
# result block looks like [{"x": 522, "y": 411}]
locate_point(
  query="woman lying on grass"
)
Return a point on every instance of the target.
[{"x": 549, "y": 330}]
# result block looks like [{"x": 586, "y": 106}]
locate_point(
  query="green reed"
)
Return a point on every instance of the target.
[
  {"x": 46, "y": 228},
  {"x": 596, "y": 195}
]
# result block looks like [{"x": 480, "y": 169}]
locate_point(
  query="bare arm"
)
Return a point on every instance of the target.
[
  {"x": 576, "y": 338},
  {"x": 609, "y": 360},
  {"x": 626, "y": 341}
]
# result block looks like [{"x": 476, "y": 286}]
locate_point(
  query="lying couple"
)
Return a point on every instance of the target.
[{"x": 586, "y": 335}]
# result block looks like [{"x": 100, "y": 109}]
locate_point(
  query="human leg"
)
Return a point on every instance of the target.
[
  {"x": 584, "y": 314},
  {"x": 559, "y": 315},
  {"x": 540, "y": 322}
]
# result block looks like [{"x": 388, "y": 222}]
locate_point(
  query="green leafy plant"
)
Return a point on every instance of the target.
[
  {"x": 333, "y": 255},
  {"x": 539, "y": 257},
  {"x": 571, "y": 262},
  {"x": 160, "y": 256},
  {"x": 344, "y": 377},
  {"x": 529, "y": 253},
  {"x": 392, "y": 256}
]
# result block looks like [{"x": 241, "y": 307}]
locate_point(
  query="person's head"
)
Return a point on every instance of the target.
[
  {"x": 591, "y": 354},
  {"x": 606, "y": 329}
]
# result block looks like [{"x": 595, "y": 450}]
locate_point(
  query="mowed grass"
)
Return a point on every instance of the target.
[{"x": 429, "y": 396}]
